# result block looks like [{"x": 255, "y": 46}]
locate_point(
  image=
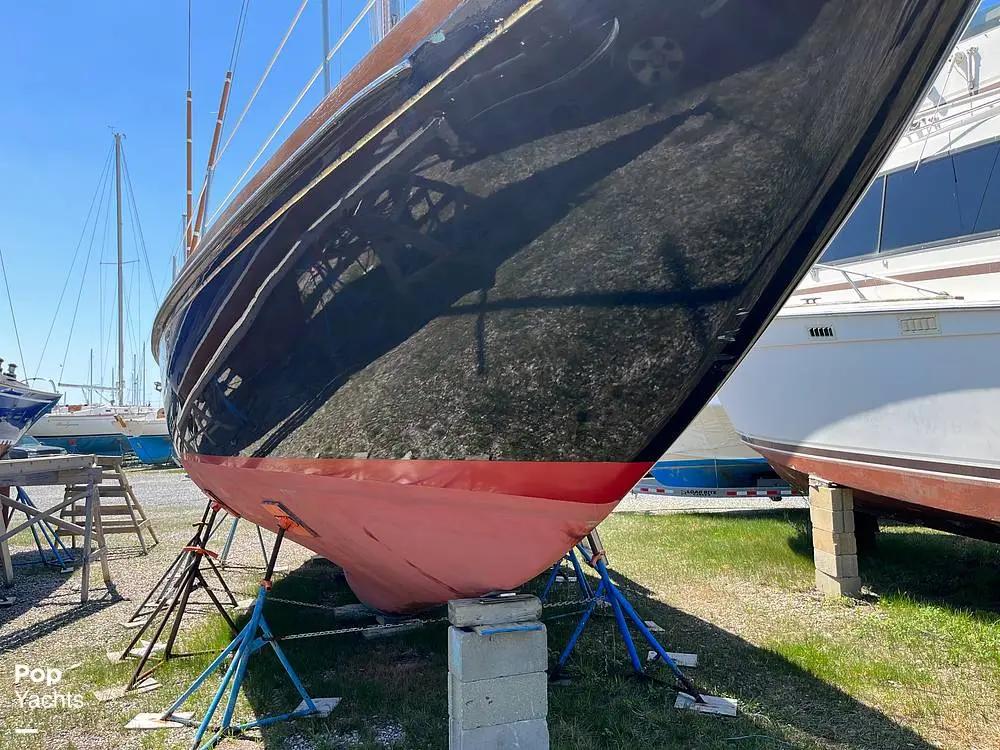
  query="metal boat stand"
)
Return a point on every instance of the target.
[
  {"x": 181, "y": 579},
  {"x": 61, "y": 556},
  {"x": 230, "y": 537},
  {"x": 581, "y": 579},
  {"x": 163, "y": 590},
  {"x": 608, "y": 594},
  {"x": 255, "y": 636}
]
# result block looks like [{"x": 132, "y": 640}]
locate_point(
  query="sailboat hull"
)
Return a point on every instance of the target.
[
  {"x": 488, "y": 283},
  {"x": 20, "y": 407},
  {"x": 406, "y": 543}
]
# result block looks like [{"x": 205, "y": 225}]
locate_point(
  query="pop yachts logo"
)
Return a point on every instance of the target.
[{"x": 36, "y": 688}]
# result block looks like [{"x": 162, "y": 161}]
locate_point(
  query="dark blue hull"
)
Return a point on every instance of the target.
[
  {"x": 101, "y": 445},
  {"x": 20, "y": 408},
  {"x": 152, "y": 449},
  {"x": 712, "y": 473},
  {"x": 524, "y": 242}
]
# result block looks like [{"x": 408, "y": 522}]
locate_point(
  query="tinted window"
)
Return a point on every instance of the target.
[
  {"x": 948, "y": 197},
  {"x": 859, "y": 234}
]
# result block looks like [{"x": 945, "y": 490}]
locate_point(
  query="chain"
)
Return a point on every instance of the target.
[
  {"x": 301, "y": 604},
  {"x": 387, "y": 626},
  {"x": 361, "y": 629}
]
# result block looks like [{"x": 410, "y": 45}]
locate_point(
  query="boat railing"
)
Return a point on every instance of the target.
[{"x": 848, "y": 273}]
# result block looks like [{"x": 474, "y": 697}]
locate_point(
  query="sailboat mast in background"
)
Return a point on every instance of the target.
[{"x": 120, "y": 386}]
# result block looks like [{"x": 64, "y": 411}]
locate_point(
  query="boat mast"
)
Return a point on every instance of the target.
[
  {"x": 189, "y": 215},
  {"x": 90, "y": 379},
  {"x": 326, "y": 47},
  {"x": 121, "y": 293}
]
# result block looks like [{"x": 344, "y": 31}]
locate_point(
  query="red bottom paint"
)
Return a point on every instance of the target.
[
  {"x": 918, "y": 493},
  {"x": 412, "y": 534}
]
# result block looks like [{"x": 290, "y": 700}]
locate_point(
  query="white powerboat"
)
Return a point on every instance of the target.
[{"x": 882, "y": 372}]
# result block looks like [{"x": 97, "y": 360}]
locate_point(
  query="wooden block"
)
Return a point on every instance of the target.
[
  {"x": 467, "y": 613},
  {"x": 837, "y": 521},
  {"x": 836, "y": 544},
  {"x": 837, "y": 566}
]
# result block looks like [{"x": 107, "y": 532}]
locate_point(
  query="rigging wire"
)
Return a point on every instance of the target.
[
  {"x": 240, "y": 27},
  {"x": 336, "y": 47},
  {"x": 86, "y": 264},
  {"x": 10, "y": 301},
  {"x": 260, "y": 83},
  {"x": 76, "y": 252},
  {"x": 137, "y": 227},
  {"x": 210, "y": 168}
]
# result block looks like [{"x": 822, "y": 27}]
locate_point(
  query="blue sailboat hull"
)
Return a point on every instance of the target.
[
  {"x": 101, "y": 445},
  {"x": 19, "y": 409},
  {"x": 152, "y": 449}
]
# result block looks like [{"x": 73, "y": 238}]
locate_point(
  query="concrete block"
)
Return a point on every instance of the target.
[
  {"x": 502, "y": 700},
  {"x": 520, "y": 735},
  {"x": 837, "y": 521},
  {"x": 831, "y": 586},
  {"x": 831, "y": 498},
  {"x": 838, "y": 566},
  {"x": 467, "y": 613},
  {"x": 836, "y": 544},
  {"x": 472, "y": 656}
]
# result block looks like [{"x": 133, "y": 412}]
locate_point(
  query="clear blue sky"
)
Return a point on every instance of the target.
[{"x": 71, "y": 70}]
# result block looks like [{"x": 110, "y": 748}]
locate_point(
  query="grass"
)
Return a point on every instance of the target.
[{"x": 917, "y": 665}]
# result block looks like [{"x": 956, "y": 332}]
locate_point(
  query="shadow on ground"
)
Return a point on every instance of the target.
[
  {"x": 396, "y": 687},
  {"x": 39, "y": 586},
  {"x": 930, "y": 567}
]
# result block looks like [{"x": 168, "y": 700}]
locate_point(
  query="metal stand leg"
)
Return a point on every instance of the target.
[
  {"x": 192, "y": 557},
  {"x": 608, "y": 593},
  {"x": 581, "y": 579},
  {"x": 229, "y": 542},
  {"x": 61, "y": 558},
  {"x": 251, "y": 639}
]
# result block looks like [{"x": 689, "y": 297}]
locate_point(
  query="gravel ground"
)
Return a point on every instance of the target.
[
  {"x": 657, "y": 504},
  {"x": 48, "y": 625}
]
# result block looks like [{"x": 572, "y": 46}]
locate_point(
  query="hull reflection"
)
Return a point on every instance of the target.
[{"x": 487, "y": 284}]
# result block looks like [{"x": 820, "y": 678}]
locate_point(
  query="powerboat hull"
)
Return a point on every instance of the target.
[
  {"x": 503, "y": 265},
  {"x": 919, "y": 441},
  {"x": 20, "y": 407}
]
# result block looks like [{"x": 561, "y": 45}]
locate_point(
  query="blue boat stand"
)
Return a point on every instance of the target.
[
  {"x": 581, "y": 579},
  {"x": 255, "y": 636},
  {"x": 62, "y": 557},
  {"x": 608, "y": 593}
]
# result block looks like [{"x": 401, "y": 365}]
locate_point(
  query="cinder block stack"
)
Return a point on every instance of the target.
[
  {"x": 497, "y": 681},
  {"x": 835, "y": 547}
]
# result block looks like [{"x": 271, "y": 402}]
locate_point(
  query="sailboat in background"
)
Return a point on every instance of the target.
[
  {"x": 21, "y": 406},
  {"x": 148, "y": 437},
  {"x": 98, "y": 428}
]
